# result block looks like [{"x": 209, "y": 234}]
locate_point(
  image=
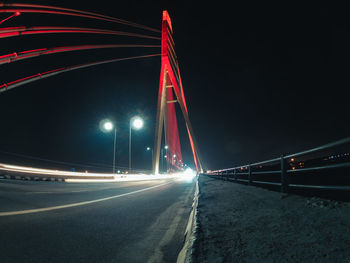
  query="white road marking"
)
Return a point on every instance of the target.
[
  {"x": 38, "y": 210},
  {"x": 73, "y": 191}
]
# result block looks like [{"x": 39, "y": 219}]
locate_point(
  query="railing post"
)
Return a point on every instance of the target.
[
  {"x": 284, "y": 176},
  {"x": 250, "y": 175}
]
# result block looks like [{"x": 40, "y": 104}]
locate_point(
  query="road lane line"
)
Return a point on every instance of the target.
[
  {"x": 73, "y": 191},
  {"x": 67, "y": 191},
  {"x": 38, "y": 210}
]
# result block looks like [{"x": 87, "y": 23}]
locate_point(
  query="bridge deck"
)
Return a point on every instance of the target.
[{"x": 128, "y": 224}]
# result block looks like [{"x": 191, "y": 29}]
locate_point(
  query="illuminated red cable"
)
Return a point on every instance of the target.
[
  {"x": 16, "y": 13},
  {"x": 17, "y": 56},
  {"x": 8, "y": 55},
  {"x": 38, "y": 76},
  {"x": 16, "y": 31},
  {"x": 64, "y": 13},
  {"x": 95, "y": 15},
  {"x": 33, "y": 50}
]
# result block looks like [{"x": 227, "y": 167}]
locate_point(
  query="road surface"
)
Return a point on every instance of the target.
[{"x": 93, "y": 222}]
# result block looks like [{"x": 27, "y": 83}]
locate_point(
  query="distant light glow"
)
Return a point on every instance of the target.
[
  {"x": 187, "y": 175},
  {"x": 190, "y": 172}
]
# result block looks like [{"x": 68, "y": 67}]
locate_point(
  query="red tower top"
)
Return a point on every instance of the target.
[{"x": 166, "y": 18}]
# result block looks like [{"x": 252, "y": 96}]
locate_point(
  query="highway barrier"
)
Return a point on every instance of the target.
[{"x": 322, "y": 168}]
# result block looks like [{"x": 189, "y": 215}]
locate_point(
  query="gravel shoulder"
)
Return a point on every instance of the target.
[{"x": 239, "y": 223}]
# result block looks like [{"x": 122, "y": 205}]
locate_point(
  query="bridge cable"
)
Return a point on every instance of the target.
[
  {"x": 71, "y": 12},
  {"x": 38, "y": 76},
  {"x": 17, "y": 31},
  {"x": 17, "y": 56}
]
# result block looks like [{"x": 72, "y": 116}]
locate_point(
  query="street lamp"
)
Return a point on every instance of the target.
[
  {"x": 166, "y": 152},
  {"x": 106, "y": 126},
  {"x": 150, "y": 149},
  {"x": 135, "y": 123}
]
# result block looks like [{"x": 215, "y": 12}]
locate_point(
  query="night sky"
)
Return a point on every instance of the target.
[{"x": 260, "y": 81}]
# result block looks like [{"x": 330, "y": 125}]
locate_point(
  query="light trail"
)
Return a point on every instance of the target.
[
  {"x": 78, "y": 177},
  {"x": 38, "y": 171},
  {"x": 71, "y": 12},
  {"x": 17, "y": 56},
  {"x": 38, "y": 76},
  {"x": 18, "y": 31}
]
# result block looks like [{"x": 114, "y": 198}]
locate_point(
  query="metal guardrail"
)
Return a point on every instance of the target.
[{"x": 281, "y": 164}]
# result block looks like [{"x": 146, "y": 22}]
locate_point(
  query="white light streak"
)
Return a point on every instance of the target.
[{"x": 76, "y": 177}]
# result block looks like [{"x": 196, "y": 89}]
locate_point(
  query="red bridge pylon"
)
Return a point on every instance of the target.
[{"x": 171, "y": 92}]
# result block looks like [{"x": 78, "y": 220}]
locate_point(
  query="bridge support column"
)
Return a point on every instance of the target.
[
  {"x": 170, "y": 79},
  {"x": 159, "y": 124}
]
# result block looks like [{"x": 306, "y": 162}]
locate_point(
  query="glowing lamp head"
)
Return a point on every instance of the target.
[
  {"x": 166, "y": 147},
  {"x": 108, "y": 126},
  {"x": 137, "y": 123},
  {"x": 148, "y": 148},
  {"x": 17, "y": 13}
]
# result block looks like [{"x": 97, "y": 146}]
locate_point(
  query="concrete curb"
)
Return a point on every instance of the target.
[{"x": 185, "y": 254}]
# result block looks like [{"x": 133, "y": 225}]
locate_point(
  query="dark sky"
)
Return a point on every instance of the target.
[{"x": 260, "y": 80}]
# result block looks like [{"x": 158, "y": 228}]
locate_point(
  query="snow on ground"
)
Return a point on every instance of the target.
[{"x": 239, "y": 223}]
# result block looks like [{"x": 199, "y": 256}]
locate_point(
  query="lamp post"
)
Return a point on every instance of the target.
[
  {"x": 136, "y": 123},
  {"x": 114, "y": 149},
  {"x": 150, "y": 149},
  {"x": 165, "y": 157},
  {"x": 162, "y": 160},
  {"x": 107, "y": 126}
]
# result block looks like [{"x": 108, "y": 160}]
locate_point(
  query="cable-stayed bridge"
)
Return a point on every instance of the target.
[{"x": 136, "y": 216}]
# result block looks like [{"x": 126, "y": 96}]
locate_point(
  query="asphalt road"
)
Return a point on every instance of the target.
[{"x": 93, "y": 222}]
